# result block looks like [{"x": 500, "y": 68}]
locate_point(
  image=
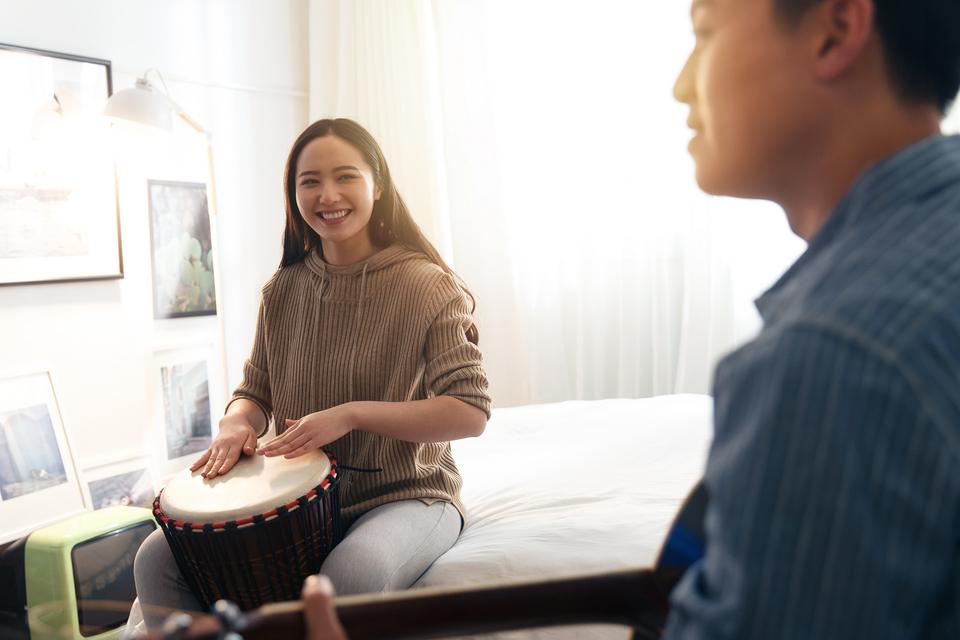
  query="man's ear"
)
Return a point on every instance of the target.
[{"x": 845, "y": 28}]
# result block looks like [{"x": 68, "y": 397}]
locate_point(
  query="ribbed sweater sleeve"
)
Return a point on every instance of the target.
[{"x": 453, "y": 364}]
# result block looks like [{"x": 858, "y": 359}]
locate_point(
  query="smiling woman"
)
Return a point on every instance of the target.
[{"x": 365, "y": 346}]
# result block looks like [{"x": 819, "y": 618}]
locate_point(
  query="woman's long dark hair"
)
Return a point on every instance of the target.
[{"x": 390, "y": 221}]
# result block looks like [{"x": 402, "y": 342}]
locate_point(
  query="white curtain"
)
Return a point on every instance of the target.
[{"x": 540, "y": 148}]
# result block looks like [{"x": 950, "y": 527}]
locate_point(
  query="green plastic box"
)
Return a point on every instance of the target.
[{"x": 79, "y": 574}]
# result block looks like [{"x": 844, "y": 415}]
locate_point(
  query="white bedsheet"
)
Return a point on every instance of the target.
[{"x": 573, "y": 487}]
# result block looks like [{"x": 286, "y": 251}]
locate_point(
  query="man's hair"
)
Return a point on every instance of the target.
[{"x": 921, "y": 43}]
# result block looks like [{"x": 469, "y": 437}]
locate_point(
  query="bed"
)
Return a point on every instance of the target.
[{"x": 571, "y": 487}]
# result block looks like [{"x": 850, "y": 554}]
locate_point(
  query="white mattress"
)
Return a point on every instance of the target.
[{"x": 573, "y": 487}]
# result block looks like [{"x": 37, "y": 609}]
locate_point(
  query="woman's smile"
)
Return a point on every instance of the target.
[{"x": 331, "y": 217}]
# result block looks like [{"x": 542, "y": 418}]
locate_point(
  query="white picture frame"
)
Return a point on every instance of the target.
[
  {"x": 127, "y": 481},
  {"x": 188, "y": 400},
  {"x": 39, "y": 484},
  {"x": 181, "y": 249}
]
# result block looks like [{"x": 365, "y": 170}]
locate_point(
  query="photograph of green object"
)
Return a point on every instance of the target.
[{"x": 181, "y": 248}]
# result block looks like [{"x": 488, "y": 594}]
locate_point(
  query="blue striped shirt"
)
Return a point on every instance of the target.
[{"x": 834, "y": 474}]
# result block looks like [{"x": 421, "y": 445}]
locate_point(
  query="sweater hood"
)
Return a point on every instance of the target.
[{"x": 386, "y": 257}]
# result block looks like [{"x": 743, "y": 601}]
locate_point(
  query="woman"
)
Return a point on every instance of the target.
[{"x": 365, "y": 346}]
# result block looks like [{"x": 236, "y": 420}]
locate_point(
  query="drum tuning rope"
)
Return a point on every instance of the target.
[{"x": 361, "y": 469}]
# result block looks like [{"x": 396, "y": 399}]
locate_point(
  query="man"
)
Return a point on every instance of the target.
[{"x": 834, "y": 476}]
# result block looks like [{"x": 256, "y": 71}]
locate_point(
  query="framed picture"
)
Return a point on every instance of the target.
[
  {"x": 126, "y": 482},
  {"x": 59, "y": 218},
  {"x": 187, "y": 407},
  {"x": 181, "y": 247},
  {"x": 38, "y": 482}
]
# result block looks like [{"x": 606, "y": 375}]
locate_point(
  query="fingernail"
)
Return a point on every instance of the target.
[
  {"x": 311, "y": 580},
  {"x": 324, "y": 584}
]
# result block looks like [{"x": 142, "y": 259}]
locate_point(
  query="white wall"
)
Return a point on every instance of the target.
[{"x": 239, "y": 67}]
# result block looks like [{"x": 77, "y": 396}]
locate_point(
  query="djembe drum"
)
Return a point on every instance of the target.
[{"x": 253, "y": 535}]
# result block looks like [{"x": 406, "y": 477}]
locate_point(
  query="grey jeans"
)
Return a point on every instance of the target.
[{"x": 386, "y": 549}]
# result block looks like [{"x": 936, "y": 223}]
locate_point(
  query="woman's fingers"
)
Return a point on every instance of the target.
[
  {"x": 202, "y": 460},
  {"x": 230, "y": 458},
  {"x": 289, "y": 445},
  {"x": 222, "y": 459},
  {"x": 216, "y": 458},
  {"x": 288, "y": 435},
  {"x": 225, "y": 450},
  {"x": 296, "y": 452},
  {"x": 300, "y": 437},
  {"x": 212, "y": 461},
  {"x": 273, "y": 444},
  {"x": 250, "y": 444}
]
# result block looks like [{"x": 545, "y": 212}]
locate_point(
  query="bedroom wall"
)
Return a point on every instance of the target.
[{"x": 239, "y": 67}]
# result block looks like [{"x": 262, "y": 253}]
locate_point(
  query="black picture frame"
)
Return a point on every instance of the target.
[{"x": 59, "y": 202}]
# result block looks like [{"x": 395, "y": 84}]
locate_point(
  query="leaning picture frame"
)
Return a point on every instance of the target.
[
  {"x": 181, "y": 247},
  {"x": 38, "y": 479},
  {"x": 124, "y": 481},
  {"x": 59, "y": 214},
  {"x": 188, "y": 399}
]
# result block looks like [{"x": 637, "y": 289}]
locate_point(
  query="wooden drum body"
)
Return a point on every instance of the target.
[{"x": 253, "y": 535}]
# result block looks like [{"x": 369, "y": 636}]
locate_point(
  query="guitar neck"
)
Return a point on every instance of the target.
[{"x": 634, "y": 598}]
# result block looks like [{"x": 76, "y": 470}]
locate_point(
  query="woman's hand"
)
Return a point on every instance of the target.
[
  {"x": 236, "y": 436},
  {"x": 310, "y": 432}
]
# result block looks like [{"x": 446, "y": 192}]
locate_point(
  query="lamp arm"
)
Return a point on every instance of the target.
[
  {"x": 214, "y": 232},
  {"x": 190, "y": 121}
]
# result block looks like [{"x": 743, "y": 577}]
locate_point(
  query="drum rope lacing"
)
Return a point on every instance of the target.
[{"x": 361, "y": 469}]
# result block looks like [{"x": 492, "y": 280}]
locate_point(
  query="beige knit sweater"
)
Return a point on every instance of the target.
[{"x": 391, "y": 329}]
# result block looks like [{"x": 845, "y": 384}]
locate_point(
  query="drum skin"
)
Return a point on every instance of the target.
[{"x": 253, "y": 535}]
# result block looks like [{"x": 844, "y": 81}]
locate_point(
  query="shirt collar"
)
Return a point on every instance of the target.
[{"x": 912, "y": 173}]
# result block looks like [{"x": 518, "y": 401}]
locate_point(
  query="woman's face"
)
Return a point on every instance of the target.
[{"x": 335, "y": 194}]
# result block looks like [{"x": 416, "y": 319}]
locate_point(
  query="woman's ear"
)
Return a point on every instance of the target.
[{"x": 377, "y": 191}]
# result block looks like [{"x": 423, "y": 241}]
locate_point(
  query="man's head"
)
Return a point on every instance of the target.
[
  {"x": 920, "y": 41},
  {"x": 774, "y": 86}
]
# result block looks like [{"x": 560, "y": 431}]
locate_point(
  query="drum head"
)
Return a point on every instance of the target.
[{"x": 256, "y": 484}]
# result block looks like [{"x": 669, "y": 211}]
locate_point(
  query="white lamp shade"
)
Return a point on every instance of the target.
[{"x": 141, "y": 105}]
